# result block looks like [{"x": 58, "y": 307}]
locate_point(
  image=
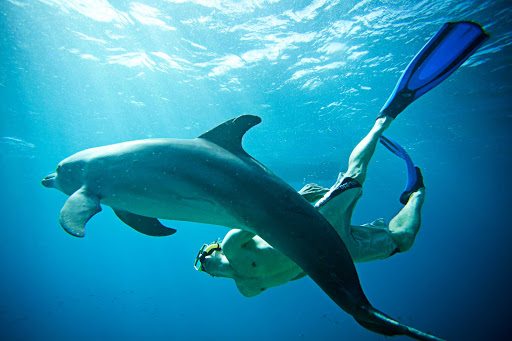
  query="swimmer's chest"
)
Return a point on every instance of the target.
[{"x": 256, "y": 259}]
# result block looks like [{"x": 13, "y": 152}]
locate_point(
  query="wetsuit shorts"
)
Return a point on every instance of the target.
[{"x": 365, "y": 242}]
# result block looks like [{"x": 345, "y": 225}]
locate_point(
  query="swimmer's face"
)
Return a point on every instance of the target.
[
  {"x": 217, "y": 264},
  {"x": 213, "y": 261}
]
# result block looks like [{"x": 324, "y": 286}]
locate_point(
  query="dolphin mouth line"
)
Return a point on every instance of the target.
[{"x": 49, "y": 181}]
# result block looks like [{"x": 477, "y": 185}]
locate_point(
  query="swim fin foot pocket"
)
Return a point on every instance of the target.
[{"x": 404, "y": 198}]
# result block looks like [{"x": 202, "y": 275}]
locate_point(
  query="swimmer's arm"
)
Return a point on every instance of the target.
[{"x": 234, "y": 241}]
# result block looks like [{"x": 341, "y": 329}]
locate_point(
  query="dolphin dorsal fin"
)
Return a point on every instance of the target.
[{"x": 228, "y": 135}]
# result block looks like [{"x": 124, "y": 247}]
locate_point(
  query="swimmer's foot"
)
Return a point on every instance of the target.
[
  {"x": 404, "y": 198},
  {"x": 391, "y": 112}
]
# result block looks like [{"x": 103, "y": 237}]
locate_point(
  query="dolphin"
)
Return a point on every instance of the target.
[{"x": 212, "y": 180}]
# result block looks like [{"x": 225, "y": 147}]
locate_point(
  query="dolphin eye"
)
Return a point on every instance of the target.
[{"x": 58, "y": 167}]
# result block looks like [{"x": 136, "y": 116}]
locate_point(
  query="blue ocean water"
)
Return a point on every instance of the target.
[{"x": 76, "y": 74}]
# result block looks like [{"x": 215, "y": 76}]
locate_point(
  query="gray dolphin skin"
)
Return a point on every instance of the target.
[{"x": 212, "y": 180}]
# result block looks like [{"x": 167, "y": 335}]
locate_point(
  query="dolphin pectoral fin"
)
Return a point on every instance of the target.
[
  {"x": 77, "y": 211},
  {"x": 145, "y": 225},
  {"x": 299, "y": 276}
]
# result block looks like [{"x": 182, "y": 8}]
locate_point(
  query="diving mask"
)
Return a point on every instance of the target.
[{"x": 206, "y": 250}]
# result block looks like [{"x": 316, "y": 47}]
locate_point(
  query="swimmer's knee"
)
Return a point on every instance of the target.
[
  {"x": 356, "y": 173},
  {"x": 361, "y": 177},
  {"x": 404, "y": 240}
]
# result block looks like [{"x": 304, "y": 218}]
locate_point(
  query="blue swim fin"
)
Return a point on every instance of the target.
[
  {"x": 414, "y": 176},
  {"x": 440, "y": 57}
]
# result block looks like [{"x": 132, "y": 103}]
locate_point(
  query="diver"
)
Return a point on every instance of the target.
[{"x": 255, "y": 266}]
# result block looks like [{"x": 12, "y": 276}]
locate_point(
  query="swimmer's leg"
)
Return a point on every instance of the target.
[
  {"x": 363, "y": 152},
  {"x": 405, "y": 225}
]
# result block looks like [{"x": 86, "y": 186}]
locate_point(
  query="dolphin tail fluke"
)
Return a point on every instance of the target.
[{"x": 385, "y": 325}]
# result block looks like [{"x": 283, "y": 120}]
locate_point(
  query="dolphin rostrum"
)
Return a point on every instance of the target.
[{"x": 212, "y": 180}]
